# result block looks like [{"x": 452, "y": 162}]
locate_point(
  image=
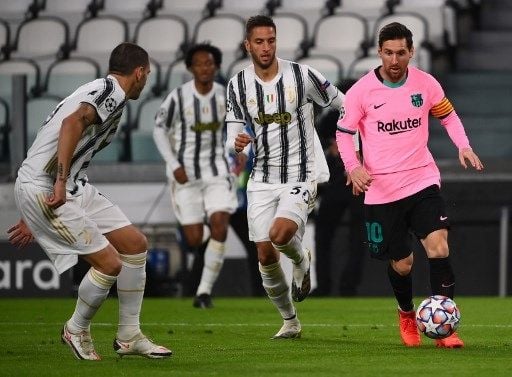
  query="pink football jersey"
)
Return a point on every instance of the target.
[{"x": 393, "y": 125}]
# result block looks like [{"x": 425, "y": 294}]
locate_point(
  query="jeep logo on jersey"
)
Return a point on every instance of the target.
[
  {"x": 398, "y": 126},
  {"x": 416, "y": 100},
  {"x": 279, "y": 118},
  {"x": 110, "y": 104},
  {"x": 210, "y": 126}
]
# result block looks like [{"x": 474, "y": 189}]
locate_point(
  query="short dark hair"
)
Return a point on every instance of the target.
[
  {"x": 256, "y": 21},
  {"x": 395, "y": 30},
  {"x": 206, "y": 47},
  {"x": 125, "y": 57}
]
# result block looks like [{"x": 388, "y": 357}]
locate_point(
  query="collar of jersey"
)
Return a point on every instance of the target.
[
  {"x": 199, "y": 95},
  {"x": 118, "y": 86},
  {"x": 276, "y": 78},
  {"x": 390, "y": 84}
]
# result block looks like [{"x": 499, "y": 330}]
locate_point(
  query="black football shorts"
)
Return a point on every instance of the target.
[{"x": 391, "y": 226}]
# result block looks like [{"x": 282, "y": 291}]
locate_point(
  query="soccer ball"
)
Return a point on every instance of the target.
[{"x": 437, "y": 317}]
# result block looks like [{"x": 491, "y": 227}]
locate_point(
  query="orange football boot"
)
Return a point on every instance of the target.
[
  {"x": 452, "y": 341},
  {"x": 408, "y": 329}
]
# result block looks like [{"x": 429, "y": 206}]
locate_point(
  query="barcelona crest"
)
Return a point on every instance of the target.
[{"x": 416, "y": 100}]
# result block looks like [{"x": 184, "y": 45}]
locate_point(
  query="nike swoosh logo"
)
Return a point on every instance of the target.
[
  {"x": 447, "y": 286},
  {"x": 377, "y": 106},
  {"x": 442, "y": 218},
  {"x": 124, "y": 345}
]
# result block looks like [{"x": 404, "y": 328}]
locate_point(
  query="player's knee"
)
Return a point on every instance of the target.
[
  {"x": 140, "y": 242},
  {"x": 193, "y": 234},
  {"x": 219, "y": 231},
  {"x": 403, "y": 270},
  {"x": 194, "y": 240},
  {"x": 112, "y": 267},
  {"x": 282, "y": 231},
  {"x": 280, "y": 238},
  {"x": 267, "y": 259},
  {"x": 403, "y": 267},
  {"x": 436, "y": 244},
  {"x": 266, "y": 254},
  {"x": 116, "y": 268},
  {"x": 281, "y": 235},
  {"x": 440, "y": 250}
]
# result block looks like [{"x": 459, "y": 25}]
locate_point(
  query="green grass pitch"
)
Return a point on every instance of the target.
[{"x": 341, "y": 337}]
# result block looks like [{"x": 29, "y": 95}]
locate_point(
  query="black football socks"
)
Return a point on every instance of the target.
[
  {"x": 442, "y": 279},
  {"x": 402, "y": 287}
]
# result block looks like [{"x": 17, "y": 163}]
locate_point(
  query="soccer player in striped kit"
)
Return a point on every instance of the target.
[
  {"x": 70, "y": 218},
  {"x": 189, "y": 134},
  {"x": 390, "y": 107},
  {"x": 274, "y": 97}
]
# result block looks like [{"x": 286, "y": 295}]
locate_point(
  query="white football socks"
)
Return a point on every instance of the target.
[
  {"x": 213, "y": 261},
  {"x": 130, "y": 292},
  {"x": 274, "y": 282},
  {"x": 93, "y": 290},
  {"x": 292, "y": 249}
]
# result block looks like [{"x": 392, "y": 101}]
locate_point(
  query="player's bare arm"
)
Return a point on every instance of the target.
[
  {"x": 20, "y": 235},
  {"x": 241, "y": 141},
  {"x": 474, "y": 160},
  {"x": 71, "y": 131}
]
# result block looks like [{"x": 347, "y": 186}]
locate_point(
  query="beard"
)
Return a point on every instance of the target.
[
  {"x": 264, "y": 65},
  {"x": 396, "y": 73},
  {"x": 137, "y": 94}
]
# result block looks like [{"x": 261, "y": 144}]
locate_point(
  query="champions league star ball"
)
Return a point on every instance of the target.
[{"x": 437, "y": 317}]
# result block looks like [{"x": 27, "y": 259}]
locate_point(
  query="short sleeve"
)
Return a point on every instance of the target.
[
  {"x": 106, "y": 98},
  {"x": 319, "y": 89}
]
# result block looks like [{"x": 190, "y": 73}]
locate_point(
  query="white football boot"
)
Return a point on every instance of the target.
[
  {"x": 140, "y": 345},
  {"x": 80, "y": 343},
  {"x": 291, "y": 329},
  {"x": 301, "y": 282}
]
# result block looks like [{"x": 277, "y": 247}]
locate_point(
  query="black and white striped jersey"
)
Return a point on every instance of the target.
[
  {"x": 280, "y": 115},
  {"x": 189, "y": 131},
  {"x": 108, "y": 98}
]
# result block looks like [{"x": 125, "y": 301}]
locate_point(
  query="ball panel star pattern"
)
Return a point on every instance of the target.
[{"x": 437, "y": 317}]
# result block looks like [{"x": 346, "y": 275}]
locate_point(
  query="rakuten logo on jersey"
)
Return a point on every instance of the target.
[{"x": 398, "y": 126}]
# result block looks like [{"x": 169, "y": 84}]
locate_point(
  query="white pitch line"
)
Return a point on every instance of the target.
[{"x": 184, "y": 324}]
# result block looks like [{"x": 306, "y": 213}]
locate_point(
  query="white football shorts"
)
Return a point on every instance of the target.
[
  {"x": 75, "y": 228},
  {"x": 195, "y": 201},
  {"x": 267, "y": 201}
]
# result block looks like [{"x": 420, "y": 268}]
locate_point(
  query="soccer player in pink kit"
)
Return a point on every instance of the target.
[{"x": 390, "y": 107}]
